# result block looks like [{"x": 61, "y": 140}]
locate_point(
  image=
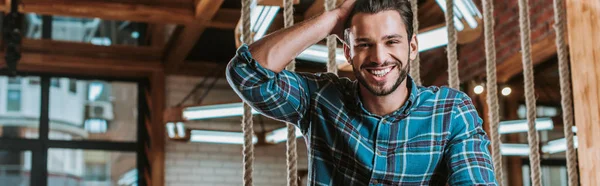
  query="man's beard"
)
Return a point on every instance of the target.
[{"x": 379, "y": 89}]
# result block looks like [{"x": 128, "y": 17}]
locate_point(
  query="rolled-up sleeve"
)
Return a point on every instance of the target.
[
  {"x": 282, "y": 96},
  {"x": 469, "y": 162}
]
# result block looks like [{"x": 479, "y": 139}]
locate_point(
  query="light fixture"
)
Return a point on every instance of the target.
[
  {"x": 176, "y": 130},
  {"x": 207, "y": 136},
  {"x": 559, "y": 145},
  {"x": 478, "y": 89},
  {"x": 511, "y": 149},
  {"x": 432, "y": 39},
  {"x": 506, "y": 91},
  {"x": 280, "y": 135},
  {"x": 516, "y": 126},
  {"x": 319, "y": 53},
  {"x": 135, "y": 34},
  {"x": 214, "y": 111},
  {"x": 261, "y": 18}
]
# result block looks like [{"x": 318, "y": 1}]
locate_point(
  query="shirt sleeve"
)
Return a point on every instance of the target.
[
  {"x": 284, "y": 96},
  {"x": 469, "y": 159}
]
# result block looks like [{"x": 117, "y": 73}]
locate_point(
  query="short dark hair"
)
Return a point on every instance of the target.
[{"x": 403, "y": 7}]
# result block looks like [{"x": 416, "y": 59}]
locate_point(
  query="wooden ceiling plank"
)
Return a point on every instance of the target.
[
  {"x": 185, "y": 41},
  {"x": 89, "y": 50},
  {"x": 540, "y": 51},
  {"x": 110, "y": 10}
]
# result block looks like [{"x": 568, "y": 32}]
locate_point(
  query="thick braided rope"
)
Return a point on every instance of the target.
[
  {"x": 415, "y": 68},
  {"x": 331, "y": 42},
  {"x": 565, "y": 90},
  {"x": 291, "y": 153},
  {"x": 453, "y": 80},
  {"x": 492, "y": 89},
  {"x": 532, "y": 136},
  {"x": 247, "y": 128}
]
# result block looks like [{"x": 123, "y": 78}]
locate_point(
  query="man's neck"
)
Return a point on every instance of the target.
[{"x": 383, "y": 105}]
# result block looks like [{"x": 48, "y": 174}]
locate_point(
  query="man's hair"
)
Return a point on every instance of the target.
[{"x": 375, "y": 6}]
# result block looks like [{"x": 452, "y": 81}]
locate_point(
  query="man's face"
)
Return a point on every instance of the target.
[{"x": 379, "y": 51}]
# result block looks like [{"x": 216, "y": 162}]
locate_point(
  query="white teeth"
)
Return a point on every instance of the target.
[{"x": 380, "y": 73}]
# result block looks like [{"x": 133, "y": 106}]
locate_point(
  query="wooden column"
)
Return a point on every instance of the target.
[
  {"x": 514, "y": 163},
  {"x": 157, "y": 161},
  {"x": 583, "y": 17}
]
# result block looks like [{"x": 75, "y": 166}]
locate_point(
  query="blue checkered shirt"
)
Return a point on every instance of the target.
[{"x": 435, "y": 138}]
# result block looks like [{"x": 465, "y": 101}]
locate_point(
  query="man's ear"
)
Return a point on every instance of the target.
[
  {"x": 414, "y": 47},
  {"x": 347, "y": 53}
]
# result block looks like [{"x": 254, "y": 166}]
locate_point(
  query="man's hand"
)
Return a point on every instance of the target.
[{"x": 342, "y": 13}]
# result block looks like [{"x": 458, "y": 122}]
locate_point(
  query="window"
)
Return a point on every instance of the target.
[
  {"x": 103, "y": 112},
  {"x": 14, "y": 81},
  {"x": 73, "y": 86},
  {"x": 15, "y": 167},
  {"x": 19, "y": 107},
  {"x": 13, "y": 100},
  {"x": 55, "y": 83},
  {"x": 78, "y": 141}
]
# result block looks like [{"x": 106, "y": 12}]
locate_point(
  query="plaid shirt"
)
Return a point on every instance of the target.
[{"x": 435, "y": 138}]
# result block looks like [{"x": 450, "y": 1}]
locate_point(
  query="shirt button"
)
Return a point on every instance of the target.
[
  {"x": 375, "y": 182},
  {"x": 378, "y": 153}
]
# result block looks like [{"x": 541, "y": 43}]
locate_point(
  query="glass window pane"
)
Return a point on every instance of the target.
[
  {"x": 19, "y": 107},
  {"x": 73, "y": 86},
  {"x": 86, "y": 30},
  {"x": 74, "y": 167},
  {"x": 15, "y": 167},
  {"x": 13, "y": 100},
  {"x": 100, "y": 110}
]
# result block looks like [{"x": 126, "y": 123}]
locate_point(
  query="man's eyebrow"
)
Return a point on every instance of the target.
[
  {"x": 393, "y": 36},
  {"x": 362, "y": 39}
]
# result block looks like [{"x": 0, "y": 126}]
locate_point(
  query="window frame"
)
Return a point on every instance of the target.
[{"x": 39, "y": 147}]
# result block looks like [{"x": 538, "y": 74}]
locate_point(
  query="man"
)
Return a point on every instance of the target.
[{"x": 379, "y": 130}]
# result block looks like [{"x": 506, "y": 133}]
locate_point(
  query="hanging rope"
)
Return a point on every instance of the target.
[
  {"x": 331, "y": 42},
  {"x": 248, "y": 149},
  {"x": 532, "y": 136},
  {"x": 415, "y": 68},
  {"x": 453, "y": 80},
  {"x": 565, "y": 90},
  {"x": 492, "y": 91},
  {"x": 291, "y": 153}
]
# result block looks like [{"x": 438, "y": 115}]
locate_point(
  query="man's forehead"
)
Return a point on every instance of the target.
[{"x": 387, "y": 22}]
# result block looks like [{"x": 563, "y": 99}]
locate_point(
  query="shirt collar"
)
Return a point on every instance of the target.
[{"x": 403, "y": 111}]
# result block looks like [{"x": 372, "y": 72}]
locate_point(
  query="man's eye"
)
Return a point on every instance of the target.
[
  {"x": 390, "y": 42},
  {"x": 363, "y": 45}
]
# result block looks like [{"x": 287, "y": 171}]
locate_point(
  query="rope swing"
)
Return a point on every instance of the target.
[
  {"x": 247, "y": 126},
  {"x": 492, "y": 96},
  {"x": 291, "y": 153}
]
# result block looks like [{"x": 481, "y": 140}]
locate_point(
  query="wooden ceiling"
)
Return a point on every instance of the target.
[
  {"x": 192, "y": 37},
  {"x": 188, "y": 36}
]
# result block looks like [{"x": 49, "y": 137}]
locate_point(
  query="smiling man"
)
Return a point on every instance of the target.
[{"x": 379, "y": 130}]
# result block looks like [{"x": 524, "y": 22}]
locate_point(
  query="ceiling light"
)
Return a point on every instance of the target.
[
  {"x": 516, "y": 126},
  {"x": 206, "y": 136},
  {"x": 506, "y": 91},
  {"x": 280, "y": 135},
  {"x": 214, "y": 111},
  {"x": 559, "y": 145},
  {"x": 509, "y": 149},
  {"x": 478, "y": 89}
]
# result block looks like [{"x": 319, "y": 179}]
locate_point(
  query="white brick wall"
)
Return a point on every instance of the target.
[{"x": 200, "y": 164}]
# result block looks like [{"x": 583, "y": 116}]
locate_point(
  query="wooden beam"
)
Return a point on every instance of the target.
[
  {"x": 136, "y": 53},
  {"x": 190, "y": 34},
  {"x": 157, "y": 83},
  {"x": 86, "y": 66},
  {"x": 111, "y": 10},
  {"x": 157, "y": 35},
  {"x": 584, "y": 33},
  {"x": 540, "y": 52},
  {"x": 225, "y": 19}
]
